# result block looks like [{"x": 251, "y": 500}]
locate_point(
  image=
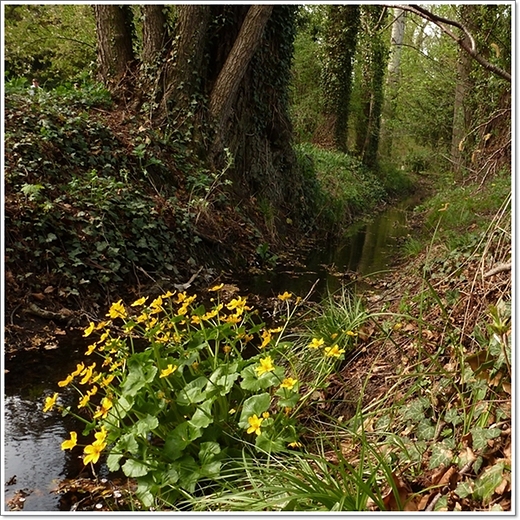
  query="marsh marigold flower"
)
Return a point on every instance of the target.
[
  {"x": 289, "y": 383},
  {"x": 170, "y": 369},
  {"x": 316, "y": 343},
  {"x": 50, "y": 402},
  {"x": 66, "y": 381},
  {"x": 70, "y": 443},
  {"x": 217, "y": 287},
  {"x": 93, "y": 451},
  {"x": 285, "y": 296},
  {"x": 266, "y": 365},
  {"x": 334, "y": 351},
  {"x": 103, "y": 410},
  {"x": 117, "y": 310},
  {"x": 89, "y": 330},
  {"x": 254, "y": 424},
  {"x": 139, "y": 302}
]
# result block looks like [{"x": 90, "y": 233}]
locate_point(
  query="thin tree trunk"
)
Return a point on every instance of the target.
[{"x": 228, "y": 81}]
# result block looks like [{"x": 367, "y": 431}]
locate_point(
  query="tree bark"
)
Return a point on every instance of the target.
[
  {"x": 154, "y": 32},
  {"x": 228, "y": 81},
  {"x": 114, "y": 37},
  {"x": 181, "y": 75},
  {"x": 461, "y": 117}
]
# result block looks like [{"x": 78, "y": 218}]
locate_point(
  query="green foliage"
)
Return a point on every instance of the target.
[
  {"x": 181, "y": 391},
  {"x": 54, "y": 43},
  {"x": 345, "y": 186}
]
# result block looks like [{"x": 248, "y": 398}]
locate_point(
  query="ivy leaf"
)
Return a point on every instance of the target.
[
  {"x": 440, "y": 455},
  {"x": 464, "y": 489},
  {"x": 480, "y": 436},
  {"x": 425, "y": 430},
  {"x": 452, "y": 416},
  {"x": 488, "y": 481},
  {"x": 255, "y": 405},
  {"x": 415, "y": 410}
]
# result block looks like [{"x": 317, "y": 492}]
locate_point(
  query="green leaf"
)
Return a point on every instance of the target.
[
  {"x": 265, "y": 443},
  {"x": 146, "y": 425},
  {"x": 452, "y": 416},
  {"x": 134, "y": 468},
  {"x": 440, "y": 455},
  {"x": 193, "y": 392},
  {"x": 414, "y": 411},
  {"x": 289, "y": 401},
  {"x": 178, "y": 439},
  {"x": 425, "y": 430},
  {"x": 113, "y": 461},
  {"x": 464, "y": 489},
  {"x": 138, "y": 376},
  {"x": 255, "y": 405},
  {"x": 208, "y": 451},
  {"x": 223, "y": 379},
  {"x": 202, "y": 417},
  {"x": 480, "y": 436},
  {"x": 488, "y": 481},
  {"x": 249, "y": 379}
]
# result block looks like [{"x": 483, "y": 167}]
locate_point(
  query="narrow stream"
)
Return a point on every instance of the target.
[{"x": 33, "y": 459}]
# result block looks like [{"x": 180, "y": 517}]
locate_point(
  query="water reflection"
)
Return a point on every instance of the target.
[{"x": 367, "y": 248}]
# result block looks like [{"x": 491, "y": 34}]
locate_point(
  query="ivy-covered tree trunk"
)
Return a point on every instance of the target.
[
  {"x": 341, "y": 37},
  {"x": 374, "y": 58},
  {"x": 154, "y": 32},
  {"x": 183, "y": 71},
  {"x": 114, "y": 37},
  {"x": 224, "y": 92}
]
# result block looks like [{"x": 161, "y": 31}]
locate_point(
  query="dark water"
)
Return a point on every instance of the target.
[
  {"x": 32, "y": 439},
  {"x": 366, "y": 250}
]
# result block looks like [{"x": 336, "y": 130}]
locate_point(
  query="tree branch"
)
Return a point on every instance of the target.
[{"x": 471, "y": 49}]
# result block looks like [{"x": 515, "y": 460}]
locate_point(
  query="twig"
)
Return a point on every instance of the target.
[{"x": 498, "y": 269}]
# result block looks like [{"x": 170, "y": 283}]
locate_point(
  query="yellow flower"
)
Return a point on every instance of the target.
[
  {"x": 117, "y": 310},
  {"x": 266, "y": 338},
  {"x": 70, "y": 443},
  {"x": 217, "y": 287},
  {"x": 50, "y": 402},
  {"x": 181, "y": 297},
  {"x": 92, "y": 452},
  {"x": 226, "y": 349},
  {"x": 90, "y": 349},
  {"x": 66, "y": 381},
  {"x": 196, "y": 320},
  {"x": 238, "y": 305},
  {"x": 101, "y": 435},
  {"x": 87, "y": 374},
  {"x": 84, "y": 400},
  {"x": 334, "y": 351},
  {"x": 295, "y": 444},
  {"x": 140, "y": 301},
  {"x": 266, "y": 365},
  {"x": 288, "y": 383},
  {"x": 316, "y": 343},
  {"x": 265, "y": 415},
  {"x": 285, "y": 296},
  {"x": 170, "y": 369},
  {"x": 233, "y": 319},
  {"x": 156, "y": 305},
  {"x": 102, "y": 411},
  {"x": 102, "y": 324},
  {"x": 351, "y": 333},
  {"x": 168, "y": 294},
  {"x": 89, "y": 330},
  {"x": 79, "y": 368},
  {"x": 107, "y": 380},
  {"x": 254, "y": 424},
  {"x": 274, "y": 331}
]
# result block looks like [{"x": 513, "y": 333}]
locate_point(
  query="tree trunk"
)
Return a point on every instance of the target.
[
  {"x": 224, "y": 92},
  {"x": 393, "y": 79},
  {"x": 461, "y": 117},
  {"x": 114, "y": 37},
  {"x": 154, "y": 32},
  {"x": 182, "y": 73}
]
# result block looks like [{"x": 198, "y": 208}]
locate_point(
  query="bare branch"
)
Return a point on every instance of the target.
[{"x": 470, "y": 48}]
